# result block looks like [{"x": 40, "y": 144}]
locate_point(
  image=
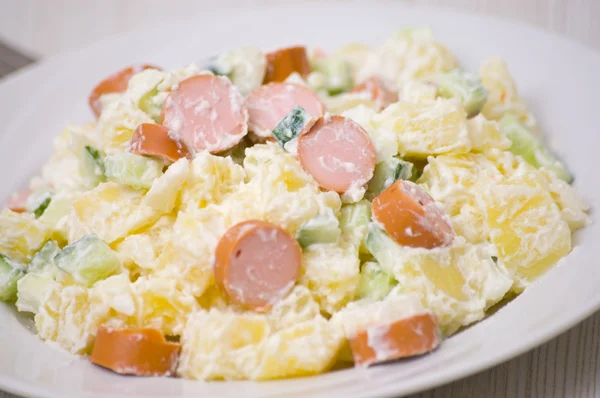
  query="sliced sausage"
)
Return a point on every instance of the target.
[
  {"x": 116, "y": 83},
  {"x": 285, "y": 61},
  {"x": 140, "y": 352},
  {"x": 269, "y": 104},
  {"x": 407, "y": 337},
  {"x": 206, "y": 112},
  {"x": 17, "y": 202},
  {"x": 338, "y": 153},
  {"x": 153, "y": 140},
  {"x": 376, "y": 89},
  {"x": 256, "y": 264},
  {"x": 411, "y": 217}
]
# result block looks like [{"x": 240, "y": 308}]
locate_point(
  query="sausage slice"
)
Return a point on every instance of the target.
[
  {"x": 17, "y": 201},
  {"x": 206, "y": 112},
  {"x": 116, "y": 83},
  {"x": 140, "y": 352},
  {"x": 285, "y": 61},
  {"x": 411, "y": 217},
  {"x": 153, "y": 140},
  {"x": 257, "y": 263},
  {"x": 269, "y": 104},
  {"x": 338, "y": 153},
  {"x": 407, "y": 337},
  {"x": 376, "y": 89}
]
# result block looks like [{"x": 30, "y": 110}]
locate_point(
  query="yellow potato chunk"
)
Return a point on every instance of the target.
[
  {"x": 457, "y": 283},
  {"x": 160, "y": 304},
  {"x": 111, "y": 211},
  {"x": 526, "y": 227},
  {"x": 332, "y": 273},
  {"x": 503, "y": 96},
  {"x": 453, "y": 181},
  {"x": 292, "y": 340},
  {"x": 211, "y": 179},
  {"x": 485, "y": 134},
  {"x": 431, "y": 128},
  {"x": 21, "y": 235}
]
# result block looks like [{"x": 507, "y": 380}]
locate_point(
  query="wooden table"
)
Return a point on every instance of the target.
[{"x": 567, "y": 366}]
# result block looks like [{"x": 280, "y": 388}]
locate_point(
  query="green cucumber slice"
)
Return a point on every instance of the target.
[
  {"x": 462, "y": 85},
  {"x": 386, "y": 173},
  {"x": 88, "y": 260},
  {"x": 10, "y": 273},
  {"x": 134, "y": 170},
  {"x": 292, "y": 125},
  {"x": 531, "y": 148},
  {"x": 324, "y": 228},
  {"x": 374, "y": 282}
]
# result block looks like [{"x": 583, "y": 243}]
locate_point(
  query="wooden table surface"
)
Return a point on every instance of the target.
[{"x": 567, "y": 366}]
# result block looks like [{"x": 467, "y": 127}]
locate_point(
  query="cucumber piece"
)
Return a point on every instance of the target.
[
  {"x": 292, "y": 125},
  {"x": 386, "y": 173},
  {"x": 43, "y": 261},
  {"x": 338, "y": 74},
  {"x": 324, "y": 228},
  {"x": 462, "y": 85},
  {"x": 244, "y": 66},
  {"x": 374, "y": 282},
  {"x": 148, "y": 105},
  {"x": 91, "y": 166},
  {"x": 531, "y": 148},
  {"x": 134, "y": 170},
  {"x": 56, "y": 215},
  {"x": 32, "y": 290},
  {"x": 354, "y": 222},
  {"x": 38, "y": 202},
  {"x": 10, "y": 273},
  {"x": 382, "y": 247},
  {"x": 88, "y": 260}
]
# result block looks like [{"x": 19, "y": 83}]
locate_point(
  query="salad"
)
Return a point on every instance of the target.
[{"x": 264, "y": 215}]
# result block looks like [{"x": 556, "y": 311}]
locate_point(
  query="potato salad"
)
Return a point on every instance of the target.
[{"x": 273, "y": 214}]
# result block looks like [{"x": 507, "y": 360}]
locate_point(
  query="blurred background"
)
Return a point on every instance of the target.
[
  {"x": 567, "y": 366},
  {"x": 44, "y": 27}
]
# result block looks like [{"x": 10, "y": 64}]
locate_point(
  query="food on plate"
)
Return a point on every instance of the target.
[
  {"x": 283, "y": 62},
  {"x": 139, "y": 352},
  {"x": 256, "y": 264},
  {"x": 116, "y": 83},
  {"x": 266, "y": 215}
]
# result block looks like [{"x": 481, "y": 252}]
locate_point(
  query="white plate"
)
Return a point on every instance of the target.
[{"x": 559, "y": 78}]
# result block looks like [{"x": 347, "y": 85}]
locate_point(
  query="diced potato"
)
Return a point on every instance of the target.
[
  {"x": 210, "y": 180},
  {"x": 162, "y": 305},
  {"x": 427, "y": 128},
  {"x": 457, "y": 283},
  {"x": 21, "y": 235},
  {"x": 111, "y": 211},
  {"x": 526, "y": 227},
  {"x": 331, "y": 272},
  {"x": 164, "y": 191},
  {"x": 503, "y": 96},
  {"x": 486, "y": 134},
  {"x": 302, "y": 349}
]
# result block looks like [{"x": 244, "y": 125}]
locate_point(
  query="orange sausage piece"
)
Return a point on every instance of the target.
[
  {"x": 140, "y": 352},
  {"x": 206, "y": 112},
  {"x": 153, "y": 140},
  {"x": 285, "y": 61},
  {"x": 411, "y": 217},
  {"x": 256, "y": 264},
  {"x": 18, "y": 200},
  {"x": 407, "y": 337},
  {"x": 377, "y": 91},
  {"x": 116, "y": 83},
  {"x": 338, "y": 153},
  {"x": 269, "y": 104}
]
